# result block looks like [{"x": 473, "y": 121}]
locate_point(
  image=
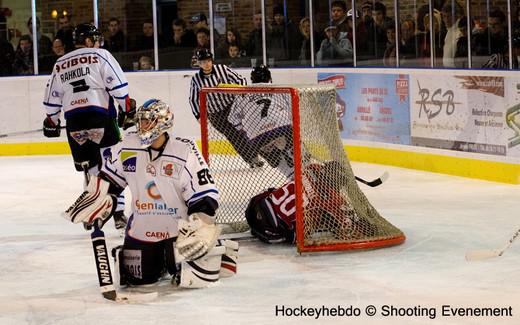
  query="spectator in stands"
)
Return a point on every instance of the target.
[
  {"x": 338, "y": 15},
  {"x": 363, "y": 25},
  {"x": 65, "y": 32},
  {"x": 23, "y": 58},
  {"x": 199, "y": 21},
  {"x": 366, "y": 11},
  {"x": 305, "y": 48},
  {"x": 360, "y": 30},
  {"x": 232, "y": 37},
  {"x": 233, "y": 58},
  {"x": 58, "y": 47},
  {"x": 515, "y": 22},
  {"x": 389, "y": 57},
  {"x": 254, "y": 40},
  {"x": 461, "y": 53},
  {"x": 44, "y": 43},
  {"x": 493, "y": 39},
  {"x": 145, "y": 41},
  {"x": 381, "y": 21},
  {"x": 283, "y": 38},
  {"x": 451, "y": 14},
  {"x": 409, "y": 44},
  {"x": 182, "y": 37},
  {"x": 501, "y": 60},
  {"x": 335, "y": 49},
  {"x": 202, "y": 35},
  {"x": 145, "y": 63},
  {"x": 423, "y": 41},
  {"x": 6, "y": 52},
  {"x": 116, "y": 40}
]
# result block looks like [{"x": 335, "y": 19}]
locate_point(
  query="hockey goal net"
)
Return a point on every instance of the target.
[{"x": 267, "y": 136}]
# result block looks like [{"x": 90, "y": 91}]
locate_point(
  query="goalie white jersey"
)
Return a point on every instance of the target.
[
  {"x": 85, "y": 80},
  {"x": 162, "y": 188},
  {"x": 259, "y": 114}
]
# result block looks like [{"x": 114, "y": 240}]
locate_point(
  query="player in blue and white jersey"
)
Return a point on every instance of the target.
[
  {"x": 85, "y": 84},
  {"x": 174, "y": 202}
]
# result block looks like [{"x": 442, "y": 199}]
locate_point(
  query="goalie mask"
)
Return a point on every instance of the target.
[{"x": 153, "y": 119}]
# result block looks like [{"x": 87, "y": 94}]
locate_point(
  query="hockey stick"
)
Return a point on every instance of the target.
[
  {"x": 5, "y": 135},
  {"x": 106, "y": 282},
  {"x": 483, "y": 254},
  {"x": 105, "y": 278},
  {"x": 376, "y": 182}
]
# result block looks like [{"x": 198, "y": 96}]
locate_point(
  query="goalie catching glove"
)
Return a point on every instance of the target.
[
  {"x": 93, "y": 205},
  {"x": 197, "y": 236}
]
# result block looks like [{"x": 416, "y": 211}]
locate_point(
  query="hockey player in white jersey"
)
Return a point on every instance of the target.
[
  {"x": 85, "y": 84},
  {"x": 266, "y": 120},
  {"x": 172, "y": 226}
]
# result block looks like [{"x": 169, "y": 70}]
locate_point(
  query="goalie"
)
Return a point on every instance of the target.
[
  {"x": 172, "y": 226},
  {"x": 271, "y": 215}
]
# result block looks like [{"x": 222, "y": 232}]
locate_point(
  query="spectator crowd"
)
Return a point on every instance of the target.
[{"x": 376, "y": 40}]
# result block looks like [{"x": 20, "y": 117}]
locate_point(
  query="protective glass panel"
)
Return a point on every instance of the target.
[
  {"x": 489, "y": 44},
  {"x": 288, "y": 33},
  {"x": 128, "y": 31},
  {"x": 185, "y": 27},
  {"x": 16, "y": 56}
]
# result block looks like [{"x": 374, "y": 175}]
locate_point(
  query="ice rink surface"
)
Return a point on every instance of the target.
[{"x": 47, "y": 272}]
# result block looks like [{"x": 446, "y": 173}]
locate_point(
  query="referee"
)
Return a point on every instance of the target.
[{"x": 219, "y": 105}]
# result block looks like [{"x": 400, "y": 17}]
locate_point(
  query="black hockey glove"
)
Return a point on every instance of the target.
[
  {"x": 51, "y": 130},
  {"x": 127, "y": 119}
]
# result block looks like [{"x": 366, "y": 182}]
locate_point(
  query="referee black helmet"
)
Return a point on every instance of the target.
[{"x": 203, "y": 54}]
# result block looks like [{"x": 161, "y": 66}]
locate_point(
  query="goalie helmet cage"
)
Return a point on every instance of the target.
[{"x": 332, "y": 213}]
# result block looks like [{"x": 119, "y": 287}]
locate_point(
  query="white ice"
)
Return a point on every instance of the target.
[{"x": 47, "y": 273}]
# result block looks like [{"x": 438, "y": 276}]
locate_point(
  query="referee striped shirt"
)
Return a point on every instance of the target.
[{"x": 221, "y": 74}]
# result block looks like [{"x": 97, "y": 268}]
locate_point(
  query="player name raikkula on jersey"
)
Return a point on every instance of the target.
[{"x": 74, "y": 74}]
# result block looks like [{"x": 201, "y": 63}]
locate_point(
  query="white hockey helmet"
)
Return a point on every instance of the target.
[{"x": 153, "y": 118}]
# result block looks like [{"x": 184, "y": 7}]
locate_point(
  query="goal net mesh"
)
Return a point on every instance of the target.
[{"x": 271, "y": 136}]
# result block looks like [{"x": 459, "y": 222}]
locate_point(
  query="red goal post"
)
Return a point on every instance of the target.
[{"x": 331, "y": 211}]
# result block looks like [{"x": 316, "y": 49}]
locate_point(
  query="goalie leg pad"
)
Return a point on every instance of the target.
[
  {"x": 93, "y": 204},
  {"x": 228, "y": 267},
  {"x": 202, "y": 272},
  {"x": 142, "y": 263}
]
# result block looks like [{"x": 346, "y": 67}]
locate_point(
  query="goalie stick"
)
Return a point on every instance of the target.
[
  {"x": 483, "y": 254},
  {"x": 105, "y": 278},
  {"x": 376, "y": 182}
]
